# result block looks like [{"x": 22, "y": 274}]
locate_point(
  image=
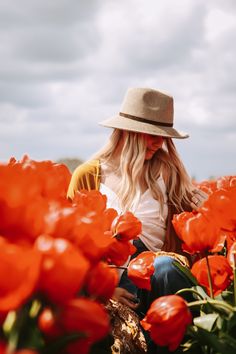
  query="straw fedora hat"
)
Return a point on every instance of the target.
[{"x": 146, "y": 110}]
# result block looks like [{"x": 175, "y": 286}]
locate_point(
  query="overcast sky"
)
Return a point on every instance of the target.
[{"x": 65, "y": 65}]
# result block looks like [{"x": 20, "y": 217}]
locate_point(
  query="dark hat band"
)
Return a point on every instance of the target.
[{"x": 143, "y": 120}]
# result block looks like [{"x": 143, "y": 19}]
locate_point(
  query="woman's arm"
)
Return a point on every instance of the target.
[
  {"x": 125, "y": 297},
  {"x": 85, "y": 176}
]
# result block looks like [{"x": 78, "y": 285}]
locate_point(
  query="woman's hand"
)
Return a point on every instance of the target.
[
  {"x": 198, "y": 198},
  {"x": 124, "y": 297}
]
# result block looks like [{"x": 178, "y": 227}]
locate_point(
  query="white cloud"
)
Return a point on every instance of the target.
[{"x": 225, "y": 23}]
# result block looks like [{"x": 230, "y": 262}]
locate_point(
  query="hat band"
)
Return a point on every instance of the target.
[{"x": 143, "y": 120}]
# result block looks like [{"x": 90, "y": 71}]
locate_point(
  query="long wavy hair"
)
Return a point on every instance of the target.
[{"x": 135, "y": 171}]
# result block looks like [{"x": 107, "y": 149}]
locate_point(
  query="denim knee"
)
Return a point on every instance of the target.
[
  {"x": 163, "y": 264},
  {"x": 167, "y": 279}
]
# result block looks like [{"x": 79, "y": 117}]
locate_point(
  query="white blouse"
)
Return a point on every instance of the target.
[{"x": 148, "y": 212}]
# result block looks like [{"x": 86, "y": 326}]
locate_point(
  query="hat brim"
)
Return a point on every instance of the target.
[{"x": 132, "y": 125}]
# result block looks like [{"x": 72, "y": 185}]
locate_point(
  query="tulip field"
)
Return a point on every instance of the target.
[{"x": 54, "y": 253}]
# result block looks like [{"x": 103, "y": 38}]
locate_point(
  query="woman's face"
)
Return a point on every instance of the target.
[{"x": 154, "y": 143}]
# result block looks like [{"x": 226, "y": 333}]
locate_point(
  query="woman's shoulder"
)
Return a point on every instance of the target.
[
  {"x": 88, "y": 167},
  {"x": 85, "y": 176}
]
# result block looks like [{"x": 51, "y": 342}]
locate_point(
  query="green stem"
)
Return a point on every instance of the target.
[
  {"x": 219, "y": 303},
  {"x": 190, "y": 291},
  {"x": 12, "y": 344},
  {"x": 209, "y": 277}
]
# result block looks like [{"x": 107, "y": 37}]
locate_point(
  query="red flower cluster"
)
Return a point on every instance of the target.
[
  {"x": 198, "y": 233},
  {"x": 208, "y": 228},
  {"x": 167, "y": 320},
  {"x": 57, "y": 250},
  {"x": 220, "y": 204},
  {"x": 78, "y": 315},
  {"x": 210, "y": 186}
]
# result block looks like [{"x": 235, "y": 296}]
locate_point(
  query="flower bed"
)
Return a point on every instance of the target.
[
  {"x": 55, "y": 259},
  {"x": 208, "y": 323}
]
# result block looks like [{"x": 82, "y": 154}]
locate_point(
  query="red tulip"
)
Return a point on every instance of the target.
[
  {"x": 44, "y": 178},
  {"x": 221, "y": 273},
  {"x": 80, "y": 346},
  {"x": 63, "y": 268},
  {"x": 141, "y": 268},
  {"x": 24, "y": 205},
  {"x": 19, "y": 274},
  {"x": 126, "y": 226},
  {"x": 167, "y": 320},
  {"x": 90, "y": 238},
  {"x": 226, "y": 182},
  {"x": 231, "y": 255},
  {"x": 109, "y": 215},
  {"x": 83, "y": 226},
  {"x": 47, "y": 323},
  {"x": 91, "y": 200},
  {"x": 179, "y": 221},
  {"x": 198, "y": 233},
  {"x": 3, "y": 316},
  {"x": 84, "y": 316},
  {"x": 207, "y": 186},
  {"x": 3, "y": 347},
  {"x": 220, "y": 208},
  {"x": 119, "y": 251},
  {"x": 101, "y": 281}
]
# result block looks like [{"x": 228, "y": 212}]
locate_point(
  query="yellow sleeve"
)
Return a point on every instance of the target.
[{"x": 86, "y": 176}]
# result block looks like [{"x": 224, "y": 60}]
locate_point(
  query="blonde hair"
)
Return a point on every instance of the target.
[{"x": 134, "y": 170}]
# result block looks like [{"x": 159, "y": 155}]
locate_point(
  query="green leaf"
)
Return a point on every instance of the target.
[
  {"x": 24, "y": 332},
  {"x": 218, "y": 306},
  {"x": 201, "y": 291},
  {"x": 32, "y": 338},
  {"x": 206, "y": 322},
  {"x": 218, "y": 344},
  {"x": 58, "y": 344},
  {"x": 228, "y": 295},
  {"x": 228, "y": 339},
  {"x": 190, "y": 347},
  {"x": 231, "y": 323}
]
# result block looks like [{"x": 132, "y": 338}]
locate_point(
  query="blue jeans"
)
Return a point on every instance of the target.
[{"x": 166, "y": 280}]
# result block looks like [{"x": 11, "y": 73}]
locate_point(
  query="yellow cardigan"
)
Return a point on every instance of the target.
[{"x": 88, "y": 175}]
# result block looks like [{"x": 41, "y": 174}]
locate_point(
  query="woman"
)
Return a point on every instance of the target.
[{"x": 140, "y": 170}]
